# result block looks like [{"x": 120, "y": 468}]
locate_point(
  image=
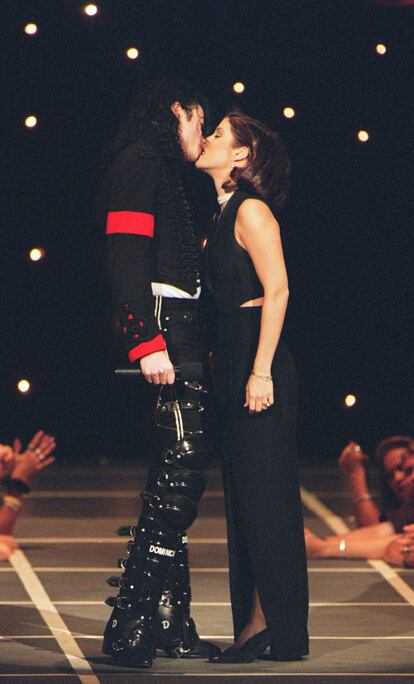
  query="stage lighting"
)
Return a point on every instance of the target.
[
  {"x": 239, "y": 87},
  {"x": 132, "y": 53},
  {"x": 30, "y": 29},
  {"x": 363, "y": 136},
  {"x": 289, "y": 112},
  {"x": 30, "y": 121},
  {"x": 350, "y": 400},
  {"x": 36, "y": 254},
  {"x": 90, "y": 10},
  {"x": 23, "y": 386},
  {"x": 381, "y": 49}
]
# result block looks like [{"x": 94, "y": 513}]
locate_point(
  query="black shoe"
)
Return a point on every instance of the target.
[
  {"x": 252, "y": 648},
  {"x": 135, "y": 648}
]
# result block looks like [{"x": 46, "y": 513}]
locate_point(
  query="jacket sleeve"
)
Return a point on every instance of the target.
[{"x": 130, "y": 225}]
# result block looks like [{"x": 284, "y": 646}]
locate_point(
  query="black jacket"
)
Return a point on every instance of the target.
[{"x": 140, "y": 245}]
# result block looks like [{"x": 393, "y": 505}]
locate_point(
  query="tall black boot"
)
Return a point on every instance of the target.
[
  {"x": 174, "y": 628},
  {"x": 129, "y": 636}
]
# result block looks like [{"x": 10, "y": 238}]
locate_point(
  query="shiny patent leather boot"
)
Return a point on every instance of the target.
[
  {"x": 129, "y": 634},
  {"x": 174, "y": 628}
]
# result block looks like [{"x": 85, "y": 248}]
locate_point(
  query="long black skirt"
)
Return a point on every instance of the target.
[{"x": 261, "y": 484}]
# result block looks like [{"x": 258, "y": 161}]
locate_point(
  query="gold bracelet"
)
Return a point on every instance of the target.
[
  {"x": 260, "y": 375},
  {"x": 12, "y": 502}
]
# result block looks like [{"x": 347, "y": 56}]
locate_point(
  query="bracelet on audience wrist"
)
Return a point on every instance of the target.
[
  {"x": 364, "y": 497},
  {"x": 12, "y": 502}
]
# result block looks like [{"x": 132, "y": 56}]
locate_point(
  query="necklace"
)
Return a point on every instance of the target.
[{"x": 224, "y": 197}]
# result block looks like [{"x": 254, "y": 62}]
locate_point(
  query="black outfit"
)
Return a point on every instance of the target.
[
  {"x": 264, "y": 515},
  {"x": 152, "y": 608}
]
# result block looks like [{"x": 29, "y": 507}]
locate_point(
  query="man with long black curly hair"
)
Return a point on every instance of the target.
[{"x": 153, "y": 262}]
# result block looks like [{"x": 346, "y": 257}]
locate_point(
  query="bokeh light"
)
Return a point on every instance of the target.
[
  {"x": 36, "y": 254},
  {"x": 30, "y": 29},
  {"x": 380, "y": 49},
  {"x": 363, "y": 136},
  {"x": 23, "y": 386},
  {"x": 132, "y": 53},
  {"x": 350, "y": 400},
  {"x": 90, "y": 10},
  {"x": 30, "y": 121},
  {"x": 289, "y": 112},
  {"x": 239, "y": 87}
]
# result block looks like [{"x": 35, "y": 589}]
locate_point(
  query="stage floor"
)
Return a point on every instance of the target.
[{"x": 52, "y": 592}]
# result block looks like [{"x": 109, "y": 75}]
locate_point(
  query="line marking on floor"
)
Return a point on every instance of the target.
[
  {"x": 225, "y": 604},
  {"x": 102, "y": 494},
  {"x": 337, "y": 525},
  {"x": 221, "y": 637},
  {"x": 59, "y": 568},
  {"x": 51, "y": 617},
  {"x": 183, "y": 675},
  {"x": 105, "y": 540}
]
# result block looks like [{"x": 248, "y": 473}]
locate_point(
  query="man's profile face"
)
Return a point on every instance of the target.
[{"x": 190, "y": 129}]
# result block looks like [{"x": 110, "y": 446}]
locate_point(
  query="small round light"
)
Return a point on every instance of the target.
[
  {"x": 239, "y": 87},
  {"x": 90, "y": 10},
  {"x": 350, "y": 400},
  {"x": 30, "y": 29},
  {"x": 380, "y": 49},
  {"x": 36, "y": 254},
  {"x": 289, "y": 112},
  {"x": 132, "y": 53},
  {"x": 23, "y": 386},
  {"x": 363, "y": 136},
  {"x": 30, "y": 121}
]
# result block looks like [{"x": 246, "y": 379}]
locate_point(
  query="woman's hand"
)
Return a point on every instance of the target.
[
  {"x": 352, "y": 459},
  {"x": 157, "y": 368},
  {"x": 35, "y": 458},
  {"x": 6, "y": 460},
  {"x": 401, "y": 551},
  {"x": 259, "y": 394}
]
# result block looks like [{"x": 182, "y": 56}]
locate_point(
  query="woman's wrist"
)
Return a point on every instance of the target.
[{"x": 260, "y": 374}]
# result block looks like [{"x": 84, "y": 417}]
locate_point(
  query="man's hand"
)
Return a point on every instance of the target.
[{"x": 158, "y": 369}]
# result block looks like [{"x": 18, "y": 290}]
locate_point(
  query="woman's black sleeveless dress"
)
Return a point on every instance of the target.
[{"x": 261, "y": 484}]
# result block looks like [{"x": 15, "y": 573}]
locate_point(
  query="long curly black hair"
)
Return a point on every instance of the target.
[{"x": 152, "y": 113}]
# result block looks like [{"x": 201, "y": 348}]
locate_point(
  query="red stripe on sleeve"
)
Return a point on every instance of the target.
[
  {"x": 132, "y": 222},
  {"x": 156, "y": 344}
]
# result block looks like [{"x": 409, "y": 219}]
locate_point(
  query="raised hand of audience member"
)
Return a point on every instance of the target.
[
  {"x": 352, "y": 459},
  {"x": 35, "y": 458},
  {"x": 7, "y": 460}
]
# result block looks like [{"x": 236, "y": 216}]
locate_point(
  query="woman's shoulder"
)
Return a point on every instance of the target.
[{"x": 252, "y": 209}]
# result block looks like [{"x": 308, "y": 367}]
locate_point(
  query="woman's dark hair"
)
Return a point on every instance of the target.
[
  {"x": 389, "y": 501},
  {"x": 151, "y": 115},
  {"x": 267, "y": 174}
]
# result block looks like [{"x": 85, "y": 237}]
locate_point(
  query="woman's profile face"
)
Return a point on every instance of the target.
[
  {"x": 218, "y": 150},
  {"x": 399, "y": 470}
]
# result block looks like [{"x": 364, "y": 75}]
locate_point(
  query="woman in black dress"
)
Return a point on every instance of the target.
[{"x": 247, "y": 293}]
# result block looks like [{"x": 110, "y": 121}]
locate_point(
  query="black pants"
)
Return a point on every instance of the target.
[{"x": 264, "y": 515}]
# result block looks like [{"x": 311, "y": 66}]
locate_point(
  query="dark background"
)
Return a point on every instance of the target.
[{"x": 346, "y": 228}]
